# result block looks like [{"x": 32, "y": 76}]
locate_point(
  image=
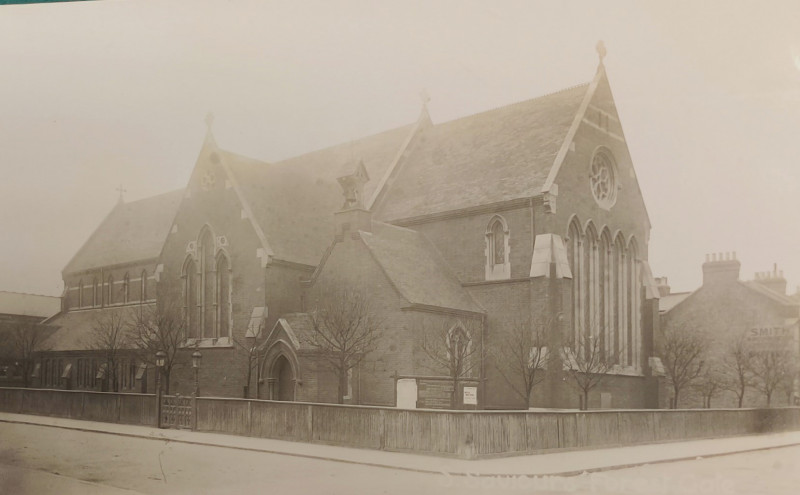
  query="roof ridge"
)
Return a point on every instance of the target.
[
  {"x": 147, "y": 198},
  {"x": 26, "y": 293},
  {"x": 342, "y": 143},
  {"x": 777, "y": 296},
  {"x": 518, "y": 102}
]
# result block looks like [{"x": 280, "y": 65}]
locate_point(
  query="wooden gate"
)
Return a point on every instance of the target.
[{"x": 177, "y": 412}]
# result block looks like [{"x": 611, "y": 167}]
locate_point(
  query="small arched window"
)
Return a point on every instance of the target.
[
  {"x": 498, "y": 266},
  {"x": 110, "y": 290},
  {"x": 126, "y": 288}
]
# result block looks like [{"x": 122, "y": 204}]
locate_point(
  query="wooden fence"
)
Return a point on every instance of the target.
[{"x": 465, "y": 434}]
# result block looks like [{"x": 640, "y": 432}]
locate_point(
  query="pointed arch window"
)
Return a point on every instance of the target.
[
  {"x": 575, "y": 255},
  {"x": 109, "y": 297},
  {"x": 190, "y": 298},
  {"x": 633, "y": 305},
  {"x": 144, "y": 286},
  {"x": 126, "y": 288},
  {"x": 498, "y": 265},
  {"x": 223, "y": 296},
  {"x": 208, "y": 311}
]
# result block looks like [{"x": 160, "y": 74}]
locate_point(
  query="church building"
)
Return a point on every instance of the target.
[{"x": 522, "y": 218}]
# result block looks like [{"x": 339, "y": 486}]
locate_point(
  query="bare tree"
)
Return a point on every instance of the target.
[
  {"x": 452, "y": 349},
  {"x": 709, "y": 383},
  {"x": 249, "y": 348},
  {"x": 159, "y": 329},
  {"x": 521, "y": 356},
  {"x": 683, "y": 353},
  {"x": 587, "y": 363},
  {"x": 109, "y": 338},
  {"x": 345, "y": 330},
  {"x": 735, "y": 364},
  {"x": 24, "y": 341},
  {"x": 770, "y": 369}
]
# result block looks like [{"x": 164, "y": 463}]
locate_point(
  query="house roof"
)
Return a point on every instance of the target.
[
  {"x": 665, "y": 303},
  {"x": 775, "y": 296},
  {"x": 494, "y": 156},
  {"x": 73, "y": 329},
  {"x": 133, "y": 231},
  {"x": 417, "y": 270},
  {"x": 20, "y": 304}
]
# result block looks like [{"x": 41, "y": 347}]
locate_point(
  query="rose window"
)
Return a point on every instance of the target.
[{"x": 602, "y": 179}]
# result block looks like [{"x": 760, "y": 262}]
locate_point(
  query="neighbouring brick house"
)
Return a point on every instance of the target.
[
  {"x": 20, "y": 312},
  {"x": 726, "y": 308},
  {"x": 501, "y": 218}
]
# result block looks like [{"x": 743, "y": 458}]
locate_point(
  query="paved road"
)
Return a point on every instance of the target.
[{"x": 40, "y": 459}]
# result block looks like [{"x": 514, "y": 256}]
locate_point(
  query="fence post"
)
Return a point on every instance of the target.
[
  {"x": 383, "y": 429},
  {"x": 194, "y": 412},
  {"x": 249, "y": 417}
]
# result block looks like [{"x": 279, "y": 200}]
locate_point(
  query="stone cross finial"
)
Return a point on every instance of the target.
[
  {"x": 121, "y": 191},
  {"x": 209, "y": 121},
  {"x": 601, "y": 50}
]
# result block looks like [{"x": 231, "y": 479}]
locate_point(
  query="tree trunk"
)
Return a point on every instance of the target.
[
  {"x": 675, "y": 399},
  {"x": 769, "y": 398},
  {"x": 342, "y": 384},
  {"x": 585, "y": 400}
]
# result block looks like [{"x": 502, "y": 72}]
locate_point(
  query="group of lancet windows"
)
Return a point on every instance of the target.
[
  {"x": 606, "y": 294},
  {"x": 99, "y": 293},
  {"x": 207, "y": 289}
]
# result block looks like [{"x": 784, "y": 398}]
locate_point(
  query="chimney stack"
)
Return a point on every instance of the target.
[
  {"x": 721, "y": 267},
  {"x": 772, "y": 280},
  {"x": 662, "y": 284}
]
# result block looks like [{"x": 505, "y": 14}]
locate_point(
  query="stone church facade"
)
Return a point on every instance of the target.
[{"x": 519, "y": 215}]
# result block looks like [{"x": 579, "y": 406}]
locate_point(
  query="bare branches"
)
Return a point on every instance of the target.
[
  {"x": 735, "y": 365},
  {"x": 771, "y": 369},
  {"x": 109, "y": 338},
  {"x": 345, "y": 330},
  {"x": 587, "y": 363},
  {"x": 24, "y": 340},
  {"x": 521, "y": 355},
  {"x": 683, "y": 352},
  {"x": 452, "y": 349},
  {"x": 159, "y": 329}
]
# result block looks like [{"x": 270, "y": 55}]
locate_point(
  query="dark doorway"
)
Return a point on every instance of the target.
[{"x": 284, "y": 379}]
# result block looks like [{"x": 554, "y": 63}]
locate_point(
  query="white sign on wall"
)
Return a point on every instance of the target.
[{"x": 471, "y": 396}]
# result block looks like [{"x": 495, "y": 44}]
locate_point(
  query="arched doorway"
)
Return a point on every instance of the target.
[{"x": 282, "y": 380}]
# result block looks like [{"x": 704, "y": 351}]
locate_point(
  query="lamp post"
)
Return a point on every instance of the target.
[
  {"x": 161, "y": 357},
  {"x": 196, "y": 357}
]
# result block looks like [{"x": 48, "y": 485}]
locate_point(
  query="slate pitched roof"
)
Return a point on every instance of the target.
[
  {"x": 21, "y": 304},
  {"x": 417, "y": 270},
  {"x": 73, "y": 329},
  {"x": 377, "y": 152},
  {"x": 775, "y": 296},
  {"x": 666, "y": 303},
  {"x": 494, "y": 156},
  {"x": 300, "y": 330},
  {"x": 294, "y": 200},
  {"x": 133, "y": 231}
]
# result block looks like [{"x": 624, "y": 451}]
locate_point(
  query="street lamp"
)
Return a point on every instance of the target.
[
  {"x": 196, "y": 357},
  {"x": 161, "y": 358}
]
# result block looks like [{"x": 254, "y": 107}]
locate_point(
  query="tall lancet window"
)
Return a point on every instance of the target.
[
  {"x": 190, "y": 298},
  {"x": 575, "y": 254},
  {"x": 208, "y": 311},
  {"x": 634, "y": 308},
  {"x": 223, "y": 296},
  {"x": 498, "y": 265}
]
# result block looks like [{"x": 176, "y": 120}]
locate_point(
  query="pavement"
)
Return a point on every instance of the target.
[{"x": 564, "y": 463}]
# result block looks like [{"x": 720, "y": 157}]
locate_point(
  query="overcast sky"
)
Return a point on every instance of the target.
[{"x": 94, "y": 94}]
